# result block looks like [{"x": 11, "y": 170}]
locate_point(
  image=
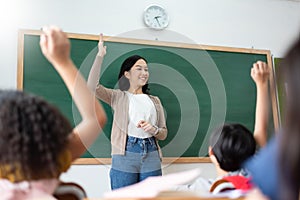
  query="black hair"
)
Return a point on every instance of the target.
[
  {"x": 232, "y": 144},
  {"x": 33, "y": 134},
  {"x": 126, "y": 66}
]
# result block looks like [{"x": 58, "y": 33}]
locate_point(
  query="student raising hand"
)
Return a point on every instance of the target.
[
  {"x": 260, "y": 74},
  {"x": 38, "y": 142},
  {"x": 56, "y": 48}
]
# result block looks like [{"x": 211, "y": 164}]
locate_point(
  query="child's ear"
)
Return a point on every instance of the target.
[
  {"x": 212, "y": 156},
  {"x": 214, "y": 160},
  {"x": 210, "y": 152}
]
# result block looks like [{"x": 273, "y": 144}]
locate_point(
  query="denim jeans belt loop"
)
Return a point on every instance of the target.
[{"x": 135, "y": 139}]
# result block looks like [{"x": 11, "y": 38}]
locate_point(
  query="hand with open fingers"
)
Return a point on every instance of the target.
[
  {"x": 55, "y": 45},
  {"x": 146, "y": 126},
  {"x": 260, "y": 72},
  {"x": 101, "y": 47}
]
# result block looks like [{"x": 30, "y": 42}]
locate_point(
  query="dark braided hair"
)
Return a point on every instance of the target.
[{"x": 33, "y": 134}]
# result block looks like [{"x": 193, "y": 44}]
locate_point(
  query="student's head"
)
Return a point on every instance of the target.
[
  {"x": 290, "y": 140},
  {"x": 231, "y": 145},
  {"x": 134, "y": 72},
  {"x": 33, "y": 134}
]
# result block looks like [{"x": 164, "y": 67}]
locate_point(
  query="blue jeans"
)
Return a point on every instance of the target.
[{"x": 140, "y": 161}]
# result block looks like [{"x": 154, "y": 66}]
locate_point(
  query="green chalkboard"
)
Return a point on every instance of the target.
[
  {"x": 199, "y": 86},
  {"x": 280, "y": 89}
]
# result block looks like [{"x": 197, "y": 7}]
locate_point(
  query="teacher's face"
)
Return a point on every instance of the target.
[{"x": 138, "y": 75}]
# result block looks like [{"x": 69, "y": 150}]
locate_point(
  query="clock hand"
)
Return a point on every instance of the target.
[{"x": 157, "y": 20}]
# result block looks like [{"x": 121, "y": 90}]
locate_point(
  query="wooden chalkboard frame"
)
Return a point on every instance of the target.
[{"x": 272, "y": 84}]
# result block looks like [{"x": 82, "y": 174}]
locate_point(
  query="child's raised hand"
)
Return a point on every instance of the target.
[
  {"x": 260, "y": 72},
  {"x": 101, "y": 47},
  {"x": 55, "y": 45}
]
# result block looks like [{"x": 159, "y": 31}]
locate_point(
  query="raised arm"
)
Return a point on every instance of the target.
[
  {"x": 94, "y": 74},
  {"x": 260, "y": 74},
  {"x": 56, "y": 48},
  {"x": 101, "y": 92}
]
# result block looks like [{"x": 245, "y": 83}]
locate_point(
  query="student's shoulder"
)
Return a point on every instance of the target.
[{"x": 236, "y": 182}]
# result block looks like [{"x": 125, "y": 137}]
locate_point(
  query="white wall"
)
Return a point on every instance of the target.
[{"x": 260, "y": 24}]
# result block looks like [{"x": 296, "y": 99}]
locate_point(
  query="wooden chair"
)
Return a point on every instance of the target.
[{"x": 69, "y": 191}]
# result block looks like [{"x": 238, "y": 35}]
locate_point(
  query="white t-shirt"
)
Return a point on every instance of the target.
[{"x": 141, "y": 107}]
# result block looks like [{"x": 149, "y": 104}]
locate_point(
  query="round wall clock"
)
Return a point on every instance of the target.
[{"x": 156, "y": 17}]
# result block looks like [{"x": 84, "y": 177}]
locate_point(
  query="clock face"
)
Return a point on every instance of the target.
[{"x": 156, "y": 17}]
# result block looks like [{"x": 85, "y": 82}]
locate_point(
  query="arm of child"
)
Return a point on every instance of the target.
[
  {"x": 56, "y": 48},
  {"x": 260, "y": 75}
]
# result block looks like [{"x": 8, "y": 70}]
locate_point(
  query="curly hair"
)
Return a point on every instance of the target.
[{"x": 33, "y": 134}]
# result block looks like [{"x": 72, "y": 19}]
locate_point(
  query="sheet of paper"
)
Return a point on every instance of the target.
[
  {"x": 152, "y": 186},
  {"x": 163, "y": 186}
]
